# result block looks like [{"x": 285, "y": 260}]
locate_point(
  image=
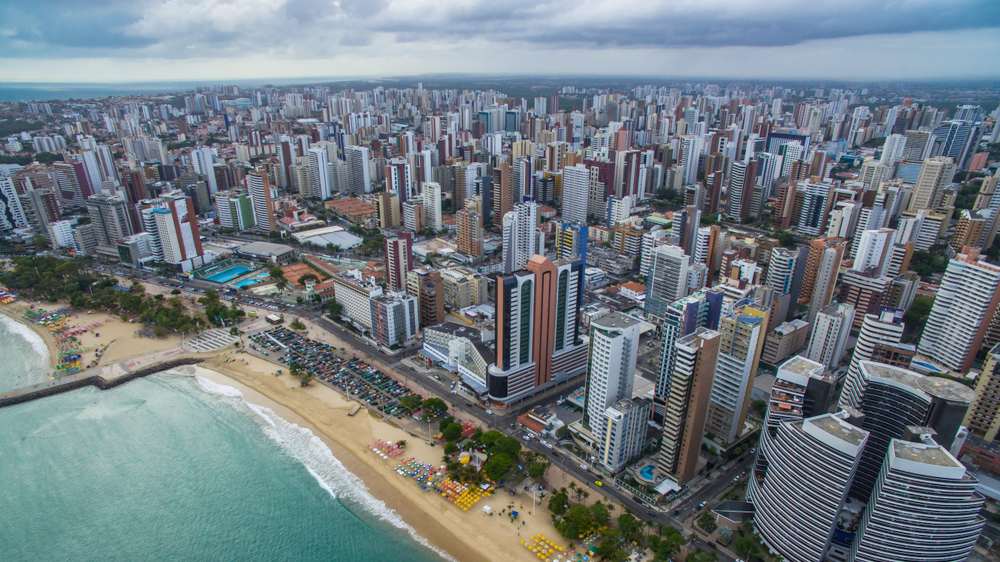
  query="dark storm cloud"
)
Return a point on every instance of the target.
[{"x": 174, "y": 28}]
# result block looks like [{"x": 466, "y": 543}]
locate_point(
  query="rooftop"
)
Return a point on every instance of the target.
[
  {"x": 924, "y": 453},
  {"x": 265, "y": 249},
  {"x": 939, "y": 387},
  {"x": 839, "y": 428},
  {"x": 615, "y": 320}
]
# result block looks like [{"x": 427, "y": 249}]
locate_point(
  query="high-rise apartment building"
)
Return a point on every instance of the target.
[
  {"x": 469, "y": 230},
  {"x": 258, "y": 184},
  {"x": 884, "y": 328},
  {"x": 830, "y": 333},
  {"x": 614, "y": 347},
  {"x": 317, "y": 173},
  {"x": 873, "y": 483},
  {"x": 538, "y": 341},
  {"x": 741, "y": 341},
  {"x": 965, "y": 303},
  {"x": 521, "y": 237},
  {"x": 575, "y": 193},
  {"x": 622, "y": 431},
  {"x": 983, "y": 418},
  {"x": 110, "y": 218},
  {"x": 359, "y": 169},
  {"x": 234, "y": 210},
  {"x": 667, "y": 280},
  {"x": 398, "y": 260},
  {"x": 935, "y": 173},
  {"x": 687, "y": 399},
  {"x": 432, "y": 206}
]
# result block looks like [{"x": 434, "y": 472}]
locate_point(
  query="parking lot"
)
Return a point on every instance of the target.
[{"x": 354, "y": 377}]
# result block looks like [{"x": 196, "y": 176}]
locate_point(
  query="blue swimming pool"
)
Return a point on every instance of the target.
[
  {"x": 646, "y": 472},
  {"x": 249, "y": 281},
  {"x": 228, "y": 274}
]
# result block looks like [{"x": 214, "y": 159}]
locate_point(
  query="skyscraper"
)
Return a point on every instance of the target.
[
  {"x": 176, "y": 230},
  {"x": 983, "y": 418},
  {"x": 469, "y": 230},
  {"x": 521, "y": 237},
  {"x": 399, "y": 178},
  {"x": 614, "y": 347},
  {"x": 690, "y": 387},
  {"x": 821, "y": 271},
  {"x": 432, "y": 206},
  {"x": 668, "y": 279},
  {"x": 204, "y": 164},
  {"x": 741, "y": 341},
  {"x": 925, "y": 505},
  {"x": 965, "y": 302},
  {"x": 830, "y": 332},
  {"x": 811, "y": 467},
  {"x": 935, "y": 173},
  {"x": 537, "y": 331},
  {"x": 398, "y": 260},
  {"x": 884, "y": 328},
  {"x": 359, "y": 169},
  {"x": 108, "y": 215},
  {"x": 869, "y": 483},
  {"x": 575, "y": 192},
  {"x": 258, "y": 184},
  {"x": 317, "y": 167}
]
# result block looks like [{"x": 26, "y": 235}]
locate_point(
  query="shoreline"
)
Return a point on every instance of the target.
[
  {"x": 15, "y": 311},
  {"x": 465, "y": 536}
]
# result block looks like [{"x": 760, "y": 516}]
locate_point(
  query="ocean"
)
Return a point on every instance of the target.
[{"x": 177, "y": 467}]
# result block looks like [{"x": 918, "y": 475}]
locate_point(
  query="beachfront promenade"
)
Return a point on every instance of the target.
[{"x": 106, "y": 376}]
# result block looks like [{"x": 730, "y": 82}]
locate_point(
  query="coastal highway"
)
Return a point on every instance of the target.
[{"x": 502, "y": 420}]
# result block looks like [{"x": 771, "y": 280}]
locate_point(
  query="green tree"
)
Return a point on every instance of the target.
[
  {"x": 452, "y": 432},
  {"x": 508, "y": 445},
  {"x": 929, "y": 263},
  {"x": 746, "y": 546},
  {"x": 435, "y": 407},
  {"x": 576, "y": 523},
  {"x": 701, "y": 556},
  {"x": 785, "y": 238},
  {"x": 498, "y": 466},
  {"x": 334, "y": 308},
  {"x": 297, "y": 325},
  {"x": 411, "y": 402},
  {"x": 601, "y": 515},
  {"x": 609, "y": 546},
  {"x": 667, "y": 544},
  {"x": 630, "y": 527},
  {"x": 537, "y": 468},
  {"x": 916, "y": 316},
  {"x": 707, "y": 522},
  {"x": 559, "y": 503}
]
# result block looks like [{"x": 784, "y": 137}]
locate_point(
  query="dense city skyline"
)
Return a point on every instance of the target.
[{"x": 709, "y": 281}]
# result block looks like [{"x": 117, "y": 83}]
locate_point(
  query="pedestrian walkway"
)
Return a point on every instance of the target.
[{"x": 211, "y": 340}]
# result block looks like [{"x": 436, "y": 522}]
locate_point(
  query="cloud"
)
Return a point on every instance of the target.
[{"x": 379, "y": 30}]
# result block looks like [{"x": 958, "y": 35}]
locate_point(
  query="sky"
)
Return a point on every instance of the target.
[{"x": 146, "y": 40}]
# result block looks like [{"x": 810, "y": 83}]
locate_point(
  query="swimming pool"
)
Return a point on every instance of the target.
[
  {"x": 249, "y": 281},
  {"x": 228, "y": 274},
  {"x": 646, "y": 472}
]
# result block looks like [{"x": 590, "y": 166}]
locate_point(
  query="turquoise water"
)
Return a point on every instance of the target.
[
  {"x": 25, "y": 358},
  {"x": 251, "y": 281},
  {"x": 176, "y": 467},
  {"x": 228, "y": 274}
]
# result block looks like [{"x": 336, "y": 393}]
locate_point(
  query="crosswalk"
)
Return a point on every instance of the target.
[{"x": 211, "y": 340}]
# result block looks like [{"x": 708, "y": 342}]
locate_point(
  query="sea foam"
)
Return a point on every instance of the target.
[
  {"x": 29, "y": 335},
  {"x": 306, "y": 447}
]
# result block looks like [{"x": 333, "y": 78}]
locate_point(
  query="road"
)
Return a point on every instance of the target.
[{"x": 501, "y": 420}]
